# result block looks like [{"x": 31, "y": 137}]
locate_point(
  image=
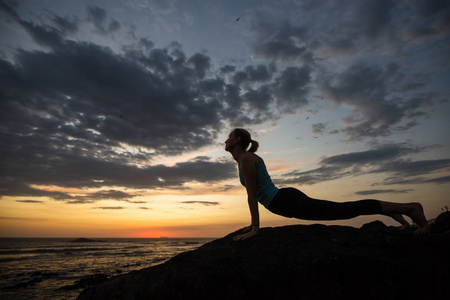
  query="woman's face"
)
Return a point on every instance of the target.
[{"x": 230, "y": 142}]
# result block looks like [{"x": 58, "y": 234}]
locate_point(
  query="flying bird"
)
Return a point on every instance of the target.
[
  {"x": 238, "y": 19},
  {"x": 307, "y": 117}
]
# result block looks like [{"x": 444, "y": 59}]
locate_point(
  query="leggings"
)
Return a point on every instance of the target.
[{"x": 292, "y": 203}]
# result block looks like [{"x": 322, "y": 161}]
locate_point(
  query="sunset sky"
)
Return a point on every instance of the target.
[{"x": 114, "y": 114}]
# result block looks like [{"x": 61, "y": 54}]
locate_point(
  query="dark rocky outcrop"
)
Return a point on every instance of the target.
[
  {"x": 86, "y": 281},
  {"x": 297, "y": 262},
  {"x": 441, "y": 223}
]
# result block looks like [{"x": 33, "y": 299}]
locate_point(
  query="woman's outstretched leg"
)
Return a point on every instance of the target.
[
  {"x": 292, "y": 203},
  {"x": 412, "y": 210}
]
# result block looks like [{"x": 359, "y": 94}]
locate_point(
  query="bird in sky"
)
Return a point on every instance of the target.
[{"x": 238, "y": 19}]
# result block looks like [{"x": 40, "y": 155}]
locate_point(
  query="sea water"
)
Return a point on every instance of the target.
[{"x": 44, "y": 268}]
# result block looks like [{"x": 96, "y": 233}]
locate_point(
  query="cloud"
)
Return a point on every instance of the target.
[
  {"x": 416, "y": 180},
  {"x": 358, "y": 158},
  {"x": 110, "y": 207},
  {"x": 386, "y": 95},
  {"x": 250, "y": 74},
  {"x": 320, "y": 128},
  {"x": 66, "y": 25},
  {"x": 278, "y": 42},
  {"x": 206, "y": 203},
  {"x": 73, "y": 125},
  {"x": 385, "y": 159},
  {"x": 81, "y": 115},
  {"x": 369, "y": 90},
  {"x": 101, "y": 195},
  {"x": 291, "y": 88},
  {"x": 389, "y": 191},
  {"x": 43, "y": 35},
  {"x": 97, "y": 16},
  {"x": 29, "y": 201},
  {"x": 96, "y": 173}
]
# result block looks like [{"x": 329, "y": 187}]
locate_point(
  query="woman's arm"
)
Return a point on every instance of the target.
[{"x": 248, "y": 169}]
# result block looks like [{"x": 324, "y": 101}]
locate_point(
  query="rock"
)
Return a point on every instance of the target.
[
  {"x": 442, "y": 223},
  {"x": 86, "y": 281},
  {"x": 296, "y": 262},
  {"x": 375, "y": 225}
]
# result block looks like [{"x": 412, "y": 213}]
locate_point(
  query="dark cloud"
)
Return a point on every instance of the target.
[
  {"x": 251, "y": 74},
  {"x": 368, "y": 89},
  {"x": 385, "y": 97},
  {"x": 369, "y": 156},
  {"x": 389, "y": 191},
  {"x": 429, "y": 18},
  {"x": 66, "y": 25},
  {"x": 146, "y": 43},
  {"x": 43, "y": 35},
  {"x": 82, "y": 173},
  {"x": 291, "y": 88},
  {"x": 29, "y": 201},
  {"x": 407, "y": 168},
  {"x": 320, "y": 128},
  {"x": 206, "y": 203},
  {"x": 97, "y": 16},
  {"x": 416, "y": 180},
  {"x": 279, "y": 42},
  {"x": 385, "y": 159},
  {"x": 227, "y": 69},
  {"x": 321, "y": 174},
  {"x": 200, "y": 63}
]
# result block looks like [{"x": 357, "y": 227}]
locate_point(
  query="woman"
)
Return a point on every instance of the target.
[{"x": 292, "y": 203}]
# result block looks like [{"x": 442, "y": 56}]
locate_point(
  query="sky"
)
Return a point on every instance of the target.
[{"x": 114, "y": 114}]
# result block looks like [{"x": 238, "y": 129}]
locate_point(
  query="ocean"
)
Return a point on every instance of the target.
[{"x": 49, "y": 268}]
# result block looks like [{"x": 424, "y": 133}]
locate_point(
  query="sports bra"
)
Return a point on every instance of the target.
[{"x": 265, "y": 189}]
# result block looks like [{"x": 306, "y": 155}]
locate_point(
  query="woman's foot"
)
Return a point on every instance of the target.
[
  {"x": 412, "y": 210},
  {"x": 418, "y": 217},
  {"x": 399, "y": 218}
]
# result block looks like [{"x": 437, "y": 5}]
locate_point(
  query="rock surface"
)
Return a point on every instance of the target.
[{"x": 297, "y": 262}]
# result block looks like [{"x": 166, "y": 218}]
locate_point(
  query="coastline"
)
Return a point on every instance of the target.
[{"x": 53, "y": 268}]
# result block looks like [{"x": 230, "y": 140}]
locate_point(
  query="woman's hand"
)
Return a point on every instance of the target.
[{"x": 254, "y": 231}]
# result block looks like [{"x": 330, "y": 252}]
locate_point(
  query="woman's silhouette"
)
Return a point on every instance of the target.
[{"x": 292, "y": 203}]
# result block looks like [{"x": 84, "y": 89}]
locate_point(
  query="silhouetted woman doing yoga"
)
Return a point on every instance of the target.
[{"x": 292, "y": 203}]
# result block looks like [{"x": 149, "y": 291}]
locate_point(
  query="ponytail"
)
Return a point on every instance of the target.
[
  {"x": 246, "y": 139},
  {"x": 254, "y": 147}
]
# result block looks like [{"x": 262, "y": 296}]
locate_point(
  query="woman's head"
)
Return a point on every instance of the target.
[{"x": 245, "y": 140}]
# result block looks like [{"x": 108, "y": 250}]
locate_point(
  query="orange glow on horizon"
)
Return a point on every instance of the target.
[{"x": 152, "y": 233}]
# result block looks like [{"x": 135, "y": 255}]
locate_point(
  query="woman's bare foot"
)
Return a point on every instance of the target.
[
  {"x": 412, "y": 210},
  {"x": 399, "y": 218},
  {"x": 418, "y": 217}
]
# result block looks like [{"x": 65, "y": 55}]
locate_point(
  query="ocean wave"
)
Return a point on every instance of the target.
[{"x": 53, "y": 250}]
